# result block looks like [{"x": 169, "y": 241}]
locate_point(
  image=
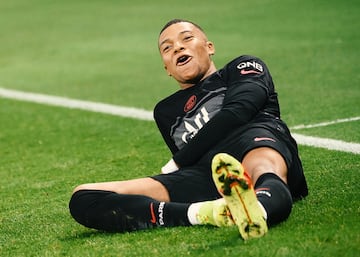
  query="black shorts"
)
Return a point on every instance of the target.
[{"x": 194, "y": 183}]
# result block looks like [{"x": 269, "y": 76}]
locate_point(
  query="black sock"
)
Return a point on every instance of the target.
[
  {"x": 275, "y": 196},
  {"x": 109, "y": 211}
]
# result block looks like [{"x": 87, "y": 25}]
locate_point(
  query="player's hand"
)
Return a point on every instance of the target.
[{"x": 169, "y": 167}]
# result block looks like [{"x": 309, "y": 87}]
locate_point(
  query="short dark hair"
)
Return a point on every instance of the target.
[{"x": 174, "y": 21}]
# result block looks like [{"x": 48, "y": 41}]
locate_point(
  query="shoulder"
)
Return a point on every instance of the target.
[
  {"x": 162, "y": 104},
  {"x": 172, "y": 104},
  {"x": 244, "y": 67},
  {"x": 244, "y": 63}
]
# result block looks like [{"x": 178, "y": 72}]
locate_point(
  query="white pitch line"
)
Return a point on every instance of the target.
[
  {"x": 323, "y": 124},
  {"x": 327, "y": 143},
  {"x": 77, "y": 104},
  {"x": 140, "y": 114}
]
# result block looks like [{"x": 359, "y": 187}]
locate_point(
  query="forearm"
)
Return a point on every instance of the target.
[
  {"x": 237, "y": 111},
  {"x": 220, "y": 126}
]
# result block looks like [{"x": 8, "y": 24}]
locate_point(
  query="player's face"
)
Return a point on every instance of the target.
[{"x": 186, "y": 53}]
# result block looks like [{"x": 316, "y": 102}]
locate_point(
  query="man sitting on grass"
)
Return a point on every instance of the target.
[{"x": 233, "y": 161}]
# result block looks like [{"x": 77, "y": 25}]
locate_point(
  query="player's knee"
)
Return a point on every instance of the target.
[
  {"x": 81, "y": 187},
  {"x": 77, "y": 205},
  {"x": 82, "y": 204},
  {"x": 262, "y": 160}
]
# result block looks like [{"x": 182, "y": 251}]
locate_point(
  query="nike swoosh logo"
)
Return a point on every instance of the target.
[
  {"x": 245, "y": 72},
  {"x": 257, "y": 139},
  {"x": 262, "y": 189},
  {"x": 153, "y": 217}
]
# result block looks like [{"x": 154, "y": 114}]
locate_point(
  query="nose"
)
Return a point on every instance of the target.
[{"x": 178, "y": 47}]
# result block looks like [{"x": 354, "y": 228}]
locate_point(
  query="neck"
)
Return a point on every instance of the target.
[{"x": 187, "y": 84}]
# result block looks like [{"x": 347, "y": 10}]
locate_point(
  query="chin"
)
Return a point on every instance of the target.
[{"x": 194, "y": 79}]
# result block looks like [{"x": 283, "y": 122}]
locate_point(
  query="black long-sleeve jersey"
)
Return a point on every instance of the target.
[{"x": 195, "y": 119}]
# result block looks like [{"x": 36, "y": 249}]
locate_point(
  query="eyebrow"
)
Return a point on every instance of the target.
[{"x": 166, "y": 40}]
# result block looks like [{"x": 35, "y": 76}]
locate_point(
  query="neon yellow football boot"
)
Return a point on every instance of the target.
[
  {"x": 215, "y": 213},
  {"x": 235, "y": 185}
]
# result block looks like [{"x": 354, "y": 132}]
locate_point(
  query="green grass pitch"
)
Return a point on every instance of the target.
[{"x": 106, "y": 51}]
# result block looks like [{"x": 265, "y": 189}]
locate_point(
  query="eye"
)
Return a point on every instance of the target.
[
  {"x": 187, "y": 38},
  {"x": 166, "y": 48}
]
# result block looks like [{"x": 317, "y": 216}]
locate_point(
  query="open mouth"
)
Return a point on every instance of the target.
[{"x": 183, "y": 59}]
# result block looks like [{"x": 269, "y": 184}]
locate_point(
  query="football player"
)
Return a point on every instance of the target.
[{"x": 234, "y": 161}]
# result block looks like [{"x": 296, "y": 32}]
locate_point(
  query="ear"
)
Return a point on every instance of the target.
[{"x": 211, "y": 47}]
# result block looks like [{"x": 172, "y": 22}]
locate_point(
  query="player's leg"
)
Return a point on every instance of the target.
[
  {"x": 110, "y": 211},
  {"x": 272, "y": 202},
  {"x": 145, "y": 203},
  {"x": 264, "y": 160},
  {"x": 251, "y": 212},
  {"x": 268, "y": 171},
  {"x": 141, "y": 186},
  {"x": 126, "y": 206}
]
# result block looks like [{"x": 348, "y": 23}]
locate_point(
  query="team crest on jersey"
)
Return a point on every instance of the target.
[
  {"x": 250, "y": 67},
  {"x": 190, "y": 103}
]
